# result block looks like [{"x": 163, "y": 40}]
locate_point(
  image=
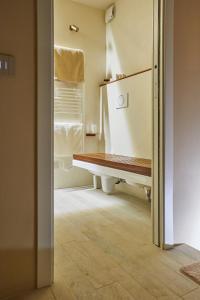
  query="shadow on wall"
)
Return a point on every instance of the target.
[{"x": 113, "y": 58}]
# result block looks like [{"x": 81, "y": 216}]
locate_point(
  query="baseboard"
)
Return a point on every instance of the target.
[{"x": 167, "y": 246}]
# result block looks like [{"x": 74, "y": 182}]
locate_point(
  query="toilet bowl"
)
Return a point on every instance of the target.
[{"x": 108, "y": 183}]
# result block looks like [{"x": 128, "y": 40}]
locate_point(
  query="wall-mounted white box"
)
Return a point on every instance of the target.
[
  {"x": 122, "y": 101},
  {"x": 7, "y": 64}
]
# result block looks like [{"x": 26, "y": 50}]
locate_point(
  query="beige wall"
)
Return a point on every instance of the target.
[
  {"x": 17, "y": 151},
  {"x": 187, "y": 122},
  {"x": 91, "y": 39},
  {"x": 130, "y": 37}
]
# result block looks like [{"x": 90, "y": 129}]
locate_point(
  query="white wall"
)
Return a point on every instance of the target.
[
  {"x": 187, "y": 122},
  {"x": 129, "y": 45},
  {"x": 130, "y": 37},
  {"x": 130, "y": 128},
  {"x": 128, "y": 131},
  {"x": 91, "y": 39}
]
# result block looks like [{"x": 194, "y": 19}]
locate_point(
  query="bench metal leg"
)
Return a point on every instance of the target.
[
  {"x": 147, "y": 190},
  {"x": 96, "y": 182}
]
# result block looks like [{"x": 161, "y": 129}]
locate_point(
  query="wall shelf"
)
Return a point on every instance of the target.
[
  {"x": 131, "y": 75},
  {"x": 90, "y": 134}
]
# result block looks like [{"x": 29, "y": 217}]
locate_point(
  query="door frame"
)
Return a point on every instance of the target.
[
  {"x": 163, "y": 127},
  {"x": 162, "y": 234},
  {"x": 45, "y": 92}
]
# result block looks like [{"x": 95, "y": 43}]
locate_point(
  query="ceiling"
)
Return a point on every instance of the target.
[{"x": 101, "y": 4}]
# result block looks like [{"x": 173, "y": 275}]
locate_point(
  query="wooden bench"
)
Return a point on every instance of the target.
[{"x": 130, "y": 164}]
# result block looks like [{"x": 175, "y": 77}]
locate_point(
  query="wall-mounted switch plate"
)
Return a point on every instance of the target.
[
  {"x": 7, "y": 63},
  {"x": 122, "y": 101}
]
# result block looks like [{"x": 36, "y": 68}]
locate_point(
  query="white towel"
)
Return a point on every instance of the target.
[{"x": 68, "y": 139}]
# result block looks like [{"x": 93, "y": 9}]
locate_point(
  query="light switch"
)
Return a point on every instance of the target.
[
  {"x": 7, "y": 64},
  {"x": 122, "y": 101}
]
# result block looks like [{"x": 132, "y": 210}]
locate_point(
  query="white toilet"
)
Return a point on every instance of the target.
[{"x": 108, "y": 183}]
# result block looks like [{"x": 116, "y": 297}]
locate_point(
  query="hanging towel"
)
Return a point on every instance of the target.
[
  {"x": 103, "y": 108},
  {"x": 68, "y": 139},
  {"x": 69, "y": 65},
  {"x": 101, "y": 114}
]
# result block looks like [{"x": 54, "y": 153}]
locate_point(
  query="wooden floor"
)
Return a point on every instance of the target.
[{"x": 103, "y": 251}]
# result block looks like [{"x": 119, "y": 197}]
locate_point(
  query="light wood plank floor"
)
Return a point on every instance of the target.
[{"x": 103, "y": 251}]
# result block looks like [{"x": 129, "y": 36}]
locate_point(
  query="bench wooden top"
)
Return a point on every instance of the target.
[{"x": 130, "y": 164}]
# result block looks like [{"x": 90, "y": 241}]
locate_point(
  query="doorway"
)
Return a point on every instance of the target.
[{"x": 45, "y": 257}]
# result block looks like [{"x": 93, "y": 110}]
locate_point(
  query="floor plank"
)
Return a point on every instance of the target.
[
  {"x": 113, "y": 292},
  {"x": 96, "y": 270},
  {"x": 194, "y": 295}
]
